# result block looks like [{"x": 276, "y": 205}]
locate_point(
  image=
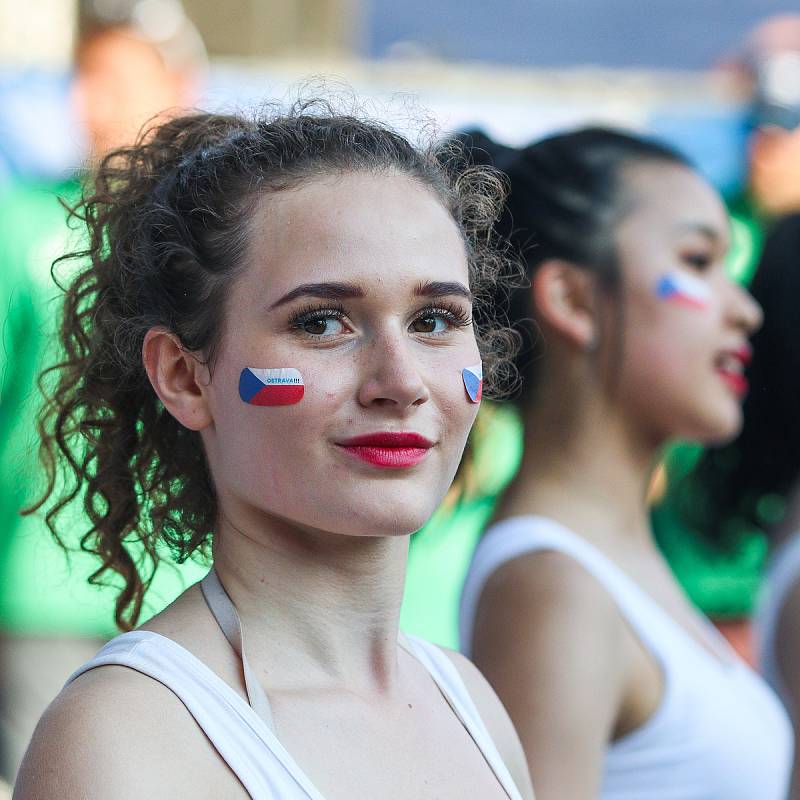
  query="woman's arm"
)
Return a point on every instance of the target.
[{"x": 552, "y": 643}]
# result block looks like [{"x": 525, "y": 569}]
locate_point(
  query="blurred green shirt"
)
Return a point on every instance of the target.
[{"x": 44, "y": 591}]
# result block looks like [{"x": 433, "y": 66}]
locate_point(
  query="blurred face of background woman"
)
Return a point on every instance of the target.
[{"x": 682, "y": 359}]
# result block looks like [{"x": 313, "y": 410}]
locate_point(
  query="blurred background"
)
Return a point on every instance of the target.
[
  {"x": 718, "y": 79},
  {"x": 519, "y": 67}
]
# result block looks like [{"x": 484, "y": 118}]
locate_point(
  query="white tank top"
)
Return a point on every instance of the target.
[
  {"x": 243, "y": 739},
  {"x": 783, "y": 573},
  {"x": 719, "y": 733}
]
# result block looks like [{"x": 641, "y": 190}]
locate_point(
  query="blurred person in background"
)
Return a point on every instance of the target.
[
  {"x": 133, "y": 59},
  {"x": 724, "y": 580},
  {"x": 752, "y": 484},
  {"x": 635, "y": 335},
  {"x": 766, "y": 74},
  {"x": 773, "y": 59}
]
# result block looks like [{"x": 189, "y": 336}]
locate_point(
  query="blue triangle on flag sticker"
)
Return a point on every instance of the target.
[{"x": 473, "y": 382}]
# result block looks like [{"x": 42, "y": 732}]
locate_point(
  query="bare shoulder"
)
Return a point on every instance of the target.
[
  {"x": 544, "y": 621},
  {"x": 556, "y": 592},
  {"x": 114, "y": 732},
  {"x": 496, "y": 719}
]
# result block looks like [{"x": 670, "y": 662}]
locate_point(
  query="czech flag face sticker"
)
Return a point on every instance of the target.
[
  {"x": 686, "y": 290},
  {"x": 473, "y": 382},
  {"x": 271, "y": 387}
]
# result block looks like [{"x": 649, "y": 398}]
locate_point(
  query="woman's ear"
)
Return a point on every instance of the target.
[
  {"x": 178, "y": 377},
  {"x": 565, "y": 302}
]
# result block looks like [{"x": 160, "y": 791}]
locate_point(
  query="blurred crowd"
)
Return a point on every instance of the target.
[{"x": 724, "y": 516}]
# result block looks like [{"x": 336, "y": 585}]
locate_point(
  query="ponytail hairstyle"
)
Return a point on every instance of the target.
[
  {"x": 567, "y": 195},
  {"x": 168, "y": 224}
]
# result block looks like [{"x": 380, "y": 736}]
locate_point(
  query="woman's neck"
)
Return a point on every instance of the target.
[
  {"x": 322, "y": 605},
  {"x": 585, "y": 467}
]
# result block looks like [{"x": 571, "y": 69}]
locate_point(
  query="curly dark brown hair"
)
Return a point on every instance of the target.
[{"x": 168, "y": 227}]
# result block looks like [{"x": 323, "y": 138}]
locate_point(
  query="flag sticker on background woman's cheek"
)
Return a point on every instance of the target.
[
  {"x": 685, "y": 290},
  {"x": 473, "y": 382},
  {"x": 271, "y": 387}
]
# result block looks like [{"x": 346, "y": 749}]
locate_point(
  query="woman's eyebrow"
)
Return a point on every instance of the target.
[
  {"x": 707, "y": 231},
  {"x": 342, "y": 291},
  {"x": 325, "y": 291},
  {"x": 442, "y": 288}
]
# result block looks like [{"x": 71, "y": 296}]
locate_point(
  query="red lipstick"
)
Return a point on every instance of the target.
[
  {"x": 731, "y": 368},
  {"x": 737, "y": 382},
  {"x": 744, "y": 354},
  {"x": 388, "y": 450}
]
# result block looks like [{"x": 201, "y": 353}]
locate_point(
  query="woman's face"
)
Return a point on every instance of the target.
[
  {"x": 358, "y": 282},
  {"x": 685, "y": 324}
]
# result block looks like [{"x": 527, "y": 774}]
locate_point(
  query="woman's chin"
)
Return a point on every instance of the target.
[
  {"x": 391, "y": 523},
  {"x": 715, "y": 430}
]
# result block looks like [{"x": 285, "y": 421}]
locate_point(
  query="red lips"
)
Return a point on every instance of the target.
[
  {"x": 732, "y": 374},
  {"x": 744, "y": 354},
  {"x": 388, "y": 450}
]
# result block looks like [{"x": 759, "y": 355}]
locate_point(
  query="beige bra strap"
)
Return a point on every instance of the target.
[{"x": 224, "y": 613}]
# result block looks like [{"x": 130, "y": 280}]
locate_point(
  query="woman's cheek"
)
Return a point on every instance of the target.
[{"x": 464, "y": 390}]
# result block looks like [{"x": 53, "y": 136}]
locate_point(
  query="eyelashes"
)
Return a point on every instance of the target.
[
  {"x": 310, "y": 315},
  {"x": 454, "y": 312},
  {"x": 454, "y": 315},
  {"x": 698, "y": 261}
]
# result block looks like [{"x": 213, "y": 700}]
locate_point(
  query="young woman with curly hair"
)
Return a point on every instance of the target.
[{"x": 270, "y": 354}]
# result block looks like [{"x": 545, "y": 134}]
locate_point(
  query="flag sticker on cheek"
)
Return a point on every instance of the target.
[
  {"x": 685, "y": 290},
  {"x": 473, "y": 382},
  {"x": 271, "y": 387}
]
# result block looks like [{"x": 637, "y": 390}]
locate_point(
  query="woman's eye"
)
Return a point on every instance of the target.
[
  {"x": 322, "y": 326},
  {"x": 430, "y": 323},
  {"x": 320, "y": 322},
  {"x": 698, "y": 261},
  {"x": 439, "y": 320}
]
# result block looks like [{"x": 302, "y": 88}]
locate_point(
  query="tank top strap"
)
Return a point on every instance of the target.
[
  {"x": 518, "y": 536},
  {"x": 224, "y": 612},
  {"x": 244, "y": 741},
  {"x": 455, "y": 692}
]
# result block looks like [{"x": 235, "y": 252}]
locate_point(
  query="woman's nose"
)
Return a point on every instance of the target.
[
  {"x": 392, "y": 374},
  {"x": 747, "y": 311}
]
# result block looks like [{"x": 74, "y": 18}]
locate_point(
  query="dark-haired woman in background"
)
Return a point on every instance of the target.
[
  {"x": 752, "y": 483},
  {"x": 270, "y": 354},
  {"x": 634, "y": 336}
]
